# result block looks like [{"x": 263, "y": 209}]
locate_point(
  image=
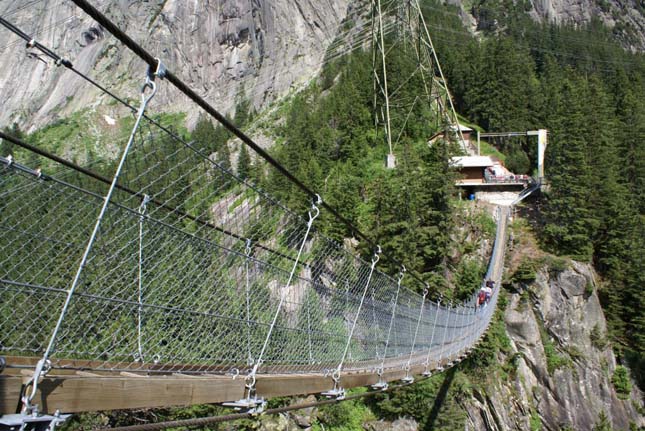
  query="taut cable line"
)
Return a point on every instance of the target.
[{"x": 99, "y": 17}]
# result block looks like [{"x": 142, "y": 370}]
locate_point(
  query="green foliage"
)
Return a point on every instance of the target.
[
  {"x": 525, "y": 272},
  {"x": 621, "y": 382},
  {"x": 345, "y": 416},
  {"x": 6, "y": 147},
  {"x": 495, "y": 341},
  {"x": 204, "y": 135},
  {"x": 244, "y": 163},
  {"x": 518, "y": 162},
  {"x": 554, "y": 264},
  {"x": 554, "y": 360},
  {"x": 598, "y": 339},
  {"x": 534, "y": 421},
  {"x": 488, "y": 225},
  {"x": 444, "y": 411},
  {"x": 468, "y": 278},
  {"x": 603, "y": 423}
]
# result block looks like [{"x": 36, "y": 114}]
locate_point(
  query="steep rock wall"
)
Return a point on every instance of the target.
[
  {"x": 221, "y": 48},
  {"x": 562, "y": 378}
]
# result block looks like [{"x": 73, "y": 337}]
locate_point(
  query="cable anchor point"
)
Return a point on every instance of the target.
[
  {"x": 252, "y": 404},
  {"x": 338, "y": 392},
  {"x": 381, "y": 385}
]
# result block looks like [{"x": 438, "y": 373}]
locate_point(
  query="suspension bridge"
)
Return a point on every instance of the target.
[{"x": 172, "y": 281}]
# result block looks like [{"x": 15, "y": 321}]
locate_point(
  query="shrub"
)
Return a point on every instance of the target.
[
  {"x": 525, "y": 272},
  {"x": 598, "y": 339},
  {"x": 621, "y": 382}
]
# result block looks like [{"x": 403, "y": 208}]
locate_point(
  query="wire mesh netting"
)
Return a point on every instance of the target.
[
  {"x": 189, "y": 267},
  {"x": 194, "y": 270}
]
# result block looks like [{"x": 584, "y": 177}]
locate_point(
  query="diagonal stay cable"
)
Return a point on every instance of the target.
[{"x": 144, "y": 55}]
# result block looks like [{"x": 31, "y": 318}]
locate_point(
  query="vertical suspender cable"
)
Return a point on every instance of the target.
[
  {"x": 408, "y": 378},
  {"x": 44, "y": 363},
  {"x": 434, "y": 327},
  {"x": 142, "y": 213}
]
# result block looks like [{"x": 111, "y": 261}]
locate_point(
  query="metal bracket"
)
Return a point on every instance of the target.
[
  {"x": 407, "y": 380},
  {"x": 380, "y": 385},
  {"x": 32, "y": 422},
  {"x": 252, "y": 403},
  {"x": 161, "y": 70},
  {"x": 338, "y": 392}
]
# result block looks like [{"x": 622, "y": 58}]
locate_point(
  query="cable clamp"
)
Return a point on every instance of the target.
[
  {"x": 381, "y": 385},
  {"x": 161, "y": 70},
  {"x": 377, "y": 256},
  {"x": 31, "y": 43},
  {"x": 337, "y": 393},
  {"x": 316, "y": 211},
  {"x": 144, "y": 206},
  {"x": 252, "y": 403}
]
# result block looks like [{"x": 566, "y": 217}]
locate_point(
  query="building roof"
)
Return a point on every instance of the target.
[
  {"x": 472, "y": 162},
  {"x": 462, "y": 128}
]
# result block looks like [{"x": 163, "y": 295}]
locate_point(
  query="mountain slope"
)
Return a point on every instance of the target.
[{"x": 258, "y": 49}]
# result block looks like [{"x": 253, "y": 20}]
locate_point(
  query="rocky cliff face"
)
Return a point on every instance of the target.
[
  {"x": 564, "y": 369},
  {"x": 223, "y": 49},
  {"x": 625, "y": 18}
]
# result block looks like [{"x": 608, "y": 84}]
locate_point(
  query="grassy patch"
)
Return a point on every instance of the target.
[{"x": 487, "y": 149}]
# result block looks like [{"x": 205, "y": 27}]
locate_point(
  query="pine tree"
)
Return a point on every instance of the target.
[
  {"x": 6, "y": 147},
  {"x": 223, "y": 180},
  {"x": 570, "y": 223},
  {"x": 243, "y": 163},
  {"x": 204, "y": 135}
]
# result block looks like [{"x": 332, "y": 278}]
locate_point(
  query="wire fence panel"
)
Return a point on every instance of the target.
[{"x": 188, "y": 268}]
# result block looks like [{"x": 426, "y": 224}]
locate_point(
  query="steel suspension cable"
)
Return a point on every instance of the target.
[
  {"x": 142, "y": 211},
  {"x": 426, "y": 371},
  {"x": 200, "y": 422},
  {"x": 381, "y": 384},
  {"x": 44, "y": 363},
  {"x": 251, "y": 400},
  {"x": 338, "y": 391},
  {"x": 99, "y": 17},
  {"x": 130, "y": 191},
  {"x": 408, "y": 378}
]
